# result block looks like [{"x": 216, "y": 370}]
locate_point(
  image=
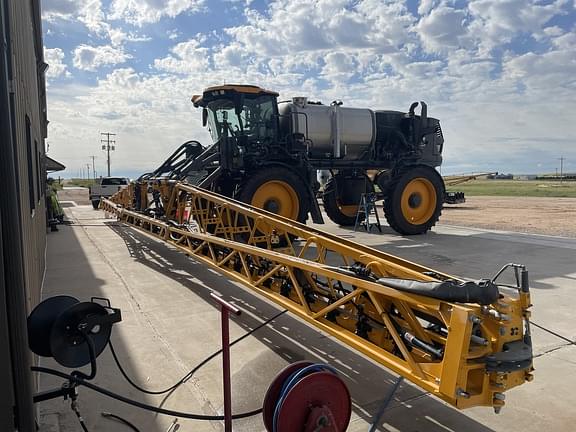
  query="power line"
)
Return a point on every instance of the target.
[
  {"x": 562, "y": 159},
  {"x": 108, "y": 146},
  {"x": 93, "y": 166}
]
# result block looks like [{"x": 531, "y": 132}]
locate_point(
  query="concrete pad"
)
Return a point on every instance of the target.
[{"x": 170, "y": 324}]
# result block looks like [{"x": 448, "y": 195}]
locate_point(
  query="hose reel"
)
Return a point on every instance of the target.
[
  {"x": 307, "y": 397},
  {"x": 304, "y": 396},
  {"x": 74, "y": 333}
]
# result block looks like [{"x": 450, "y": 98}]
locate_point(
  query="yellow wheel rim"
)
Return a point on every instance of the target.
[
  {"x": 278, "y": 197},
  {"x": 348, "y": 210},
  {"x": 418, "y": 201}
]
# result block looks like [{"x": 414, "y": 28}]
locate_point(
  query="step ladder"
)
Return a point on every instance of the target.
[{"x": 367, "y": 207}]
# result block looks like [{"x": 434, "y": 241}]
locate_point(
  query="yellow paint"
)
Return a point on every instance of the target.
[
  {"x": 280, "y": 195},
  {"x": 418, "y": 201},
  {"x": 296, "y": 277}
]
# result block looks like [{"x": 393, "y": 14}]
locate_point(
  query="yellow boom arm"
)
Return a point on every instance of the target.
[{"x": 466, "y": 343}]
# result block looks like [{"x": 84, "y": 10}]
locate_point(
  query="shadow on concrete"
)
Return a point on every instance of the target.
[
  {"x": 69, "y": 271},
  {"x": 292, "y": 340},
  {"x": 481, "y": 255}
]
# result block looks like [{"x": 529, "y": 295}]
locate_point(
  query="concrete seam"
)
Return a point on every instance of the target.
[{"x": 134, "y": 303}]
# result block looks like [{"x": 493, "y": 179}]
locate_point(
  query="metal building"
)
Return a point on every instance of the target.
[{"x": 23, "y": 126}]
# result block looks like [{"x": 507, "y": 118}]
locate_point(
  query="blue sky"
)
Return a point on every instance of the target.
[{"x": 500, "y": 74}]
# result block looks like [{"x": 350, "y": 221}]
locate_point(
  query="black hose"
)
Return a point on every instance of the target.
[
  {"x": 120, "y": 419},
  {"x": 80, "y": 381},
  {"x": 194, "y": 370},
  {"x": 79, "y": 416}
]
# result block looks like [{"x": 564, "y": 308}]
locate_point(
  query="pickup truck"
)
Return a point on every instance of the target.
[{"x": 106, "y": 187}]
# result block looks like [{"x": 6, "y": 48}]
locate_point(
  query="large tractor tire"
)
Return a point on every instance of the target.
[
  {"x": 342, "y": 197},
  {"x": 277, "y": 190},
  {"x": 414, "y": 200}
]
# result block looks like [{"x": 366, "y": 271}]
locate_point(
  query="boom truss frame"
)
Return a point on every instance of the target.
[{"x": 465, "y": 354}]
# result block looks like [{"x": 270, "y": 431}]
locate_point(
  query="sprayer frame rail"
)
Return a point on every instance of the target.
[{"x": 331, "y": 283}]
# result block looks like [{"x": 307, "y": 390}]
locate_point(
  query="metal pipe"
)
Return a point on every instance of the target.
[
  {"x": 415, "y": 342},
  {"x": 225, "y": 309},
  {"x": 525, "y": 281},
  {"x": 207, "y": 182},
  {"x": 226, "y": 371}
]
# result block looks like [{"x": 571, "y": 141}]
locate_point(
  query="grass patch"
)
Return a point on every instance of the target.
[
  {"x": 56, "y": 186},
  {"x": 79, "y": 182},
  {"x": 527, "y": 188}
]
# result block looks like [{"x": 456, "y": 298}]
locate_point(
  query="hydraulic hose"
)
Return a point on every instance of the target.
[{"x": 137, "y": 404}]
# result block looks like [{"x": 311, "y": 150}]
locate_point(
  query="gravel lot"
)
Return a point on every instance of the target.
[{"x": 551, "y": 216}]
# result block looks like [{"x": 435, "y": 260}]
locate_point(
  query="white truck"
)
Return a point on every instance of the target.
[{"x": 105, "y": 187}]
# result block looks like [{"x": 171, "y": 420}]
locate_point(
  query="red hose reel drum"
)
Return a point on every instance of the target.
[{"x": 307, "y": 397}]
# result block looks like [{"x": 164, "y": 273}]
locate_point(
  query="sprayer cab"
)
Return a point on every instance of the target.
[{"x": 242, "y": 112}]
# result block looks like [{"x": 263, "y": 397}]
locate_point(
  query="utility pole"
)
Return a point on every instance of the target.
[
  {"x": 109, "y": 145},
  {"x": 93, "y": 166},
  {"x": 562, "y": 159}
]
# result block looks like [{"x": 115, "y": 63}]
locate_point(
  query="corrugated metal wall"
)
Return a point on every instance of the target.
[
  {"x": 29, "y": 114},
  {"x": 22, "y": 203}
]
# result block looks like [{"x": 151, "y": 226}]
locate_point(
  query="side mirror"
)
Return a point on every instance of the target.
[{"x": 204, "y": 117}]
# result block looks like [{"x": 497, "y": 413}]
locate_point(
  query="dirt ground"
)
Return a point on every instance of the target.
[{"x": 551, "y": 216}]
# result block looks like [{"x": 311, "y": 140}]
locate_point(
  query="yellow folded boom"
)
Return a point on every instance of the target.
[{"x": 466, "y": 353}]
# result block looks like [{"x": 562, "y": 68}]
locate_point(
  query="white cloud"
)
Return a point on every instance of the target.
[
  {"x": 553, "y": 31},
  {"x": 230, "y": 56},
  {"x": 91, "y": 14},
  {"x": 187, "y": 57},
  {"x": 551, "y": 74},
  {"x": 302, "y": 25},
  {"x": 120, "y": 37},
  {"x": 54, "y": 58},
  {"x": 90, "y": 58},
  {"x": 174, "y": 34},
  {"x": 442, "y": 29},
  {"x": 494, "y": 104},
  {"x": 333, "y": 39},
  {"x": 565, "y": 41},
  {"x": 88, "y": 12},
  {"x": 497, "y": 21},
  {"x": 61, "y": 8},
  {"x": 141, "y": 12},
  {"x": 151, "y": 116},
  {"x": 339, "y": 66},
  {"x": 426, "y": 6}
]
